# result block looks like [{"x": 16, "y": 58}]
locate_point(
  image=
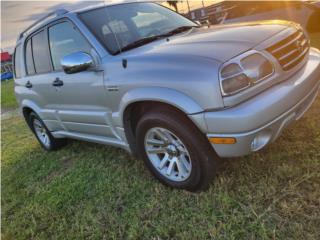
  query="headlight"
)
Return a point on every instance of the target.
[{"x": 243, "y": 72}]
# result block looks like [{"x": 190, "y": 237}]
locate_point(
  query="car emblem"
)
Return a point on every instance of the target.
[{"x": 299, "y": 45}]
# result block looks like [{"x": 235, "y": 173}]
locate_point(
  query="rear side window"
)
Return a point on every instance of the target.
[
  {"x": 40, "y": 53},
  {"x": 17, "y": 62},
  {"x": 65, "y": 39},
  {"x": 29, "y": 58}
]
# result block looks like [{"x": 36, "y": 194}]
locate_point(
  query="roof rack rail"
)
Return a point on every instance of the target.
[{"x": 56, "y": 13}]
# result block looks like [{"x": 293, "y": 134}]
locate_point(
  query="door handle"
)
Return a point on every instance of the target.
[
  {"x": 57, "y": 82},
  {"x": 28, "y": 84}
]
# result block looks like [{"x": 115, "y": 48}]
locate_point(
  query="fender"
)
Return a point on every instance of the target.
[
  {"x": 159, "y": 94},
  {"x": 29, "y": 104},
  {"x": 44, "y": 114}
]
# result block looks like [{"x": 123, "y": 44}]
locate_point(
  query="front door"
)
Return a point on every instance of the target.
[{"x": 80, "y": 101}]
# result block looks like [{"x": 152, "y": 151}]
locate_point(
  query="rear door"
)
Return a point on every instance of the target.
[
  {"x": 38, "y": 79},
  {"x": 80, "y": 101}
]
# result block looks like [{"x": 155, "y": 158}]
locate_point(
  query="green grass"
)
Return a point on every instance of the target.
[
  {"x": 90, "y": 191},
  {"x": 8, "y": 100}
]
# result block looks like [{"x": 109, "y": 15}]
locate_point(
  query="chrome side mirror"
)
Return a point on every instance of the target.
[{"x": 76, "y": 62}]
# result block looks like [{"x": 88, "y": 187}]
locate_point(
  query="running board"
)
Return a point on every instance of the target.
[{"x": 92, "y": 138}]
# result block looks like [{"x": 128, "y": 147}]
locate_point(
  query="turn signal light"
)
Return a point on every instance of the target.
[{"x": 222, "y": 140}]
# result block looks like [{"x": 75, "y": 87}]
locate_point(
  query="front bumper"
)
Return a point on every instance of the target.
[{"x": 260, "y": 120}]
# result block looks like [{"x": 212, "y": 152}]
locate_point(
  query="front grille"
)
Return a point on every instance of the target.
[{"x": 291, "y": 50}]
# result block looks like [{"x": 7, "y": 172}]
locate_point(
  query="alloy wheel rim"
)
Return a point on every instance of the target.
[
  {"x": 41, "y": 132},
  {"x": 168, "y": 154}
]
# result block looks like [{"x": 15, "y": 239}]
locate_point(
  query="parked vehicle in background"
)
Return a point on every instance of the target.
[
  {"x": 306, "y": 13},
  {"x": 179, "y": 96}
]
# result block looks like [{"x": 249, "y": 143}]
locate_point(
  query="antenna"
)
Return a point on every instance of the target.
[{"x": 108, "y": 16}]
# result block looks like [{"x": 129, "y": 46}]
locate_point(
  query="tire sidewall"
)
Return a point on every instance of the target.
[
  {"x": 33, "y": 116},
  {"x": 180, "y": 130}
]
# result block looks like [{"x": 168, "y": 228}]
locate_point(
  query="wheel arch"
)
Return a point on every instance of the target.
[
  {"x": 163, "y": 95},
  {"x": 27, "y": 107},
  {"x": 146, "y": 99}
]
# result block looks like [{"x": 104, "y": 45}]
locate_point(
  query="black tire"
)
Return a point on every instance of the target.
[
  {"x": 203, "y": 157},
  {"x": 54, "y": 143}
]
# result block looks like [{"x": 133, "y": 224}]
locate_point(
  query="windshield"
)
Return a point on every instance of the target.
[{"x": 120, "y": 26}]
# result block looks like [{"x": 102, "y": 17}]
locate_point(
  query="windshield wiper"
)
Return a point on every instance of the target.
[
  {"x": 178, "y": 30},
  {"x": 139, "y": 43},
  {"x": 143, "y": 41}
]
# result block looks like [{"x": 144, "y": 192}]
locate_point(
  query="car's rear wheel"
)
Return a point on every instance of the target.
[
  {"x": 175, "y": 151},
  {"x": 43, "y": 135}
]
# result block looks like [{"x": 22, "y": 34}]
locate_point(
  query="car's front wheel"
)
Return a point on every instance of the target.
[{"x": 175, "y": 151}]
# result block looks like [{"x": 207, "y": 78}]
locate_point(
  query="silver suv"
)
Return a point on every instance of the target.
[{"x": 179, "y": 96}]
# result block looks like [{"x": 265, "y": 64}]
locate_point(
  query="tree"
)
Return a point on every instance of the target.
[{"x": 173, "y": 4}]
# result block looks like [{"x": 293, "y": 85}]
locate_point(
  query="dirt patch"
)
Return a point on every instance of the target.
[
  {"x": 7, "y": 113},
  {"x": 67, "y": 162}
]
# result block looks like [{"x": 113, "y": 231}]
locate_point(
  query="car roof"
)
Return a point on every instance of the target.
[
  {"x": 60, "y": 13},
  {"x": 108, "y": 4}
]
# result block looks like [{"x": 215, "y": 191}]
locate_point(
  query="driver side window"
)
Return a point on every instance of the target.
[{"x": 65, "y": 39}]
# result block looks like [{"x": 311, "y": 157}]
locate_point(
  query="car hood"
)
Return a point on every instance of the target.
[{"x": 220, "y": 42}]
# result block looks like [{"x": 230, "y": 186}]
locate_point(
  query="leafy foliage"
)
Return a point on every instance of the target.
[{"x": 174, "y": 4}]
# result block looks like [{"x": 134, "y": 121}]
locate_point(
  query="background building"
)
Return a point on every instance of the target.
[{"x": 6, "y": 62}]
